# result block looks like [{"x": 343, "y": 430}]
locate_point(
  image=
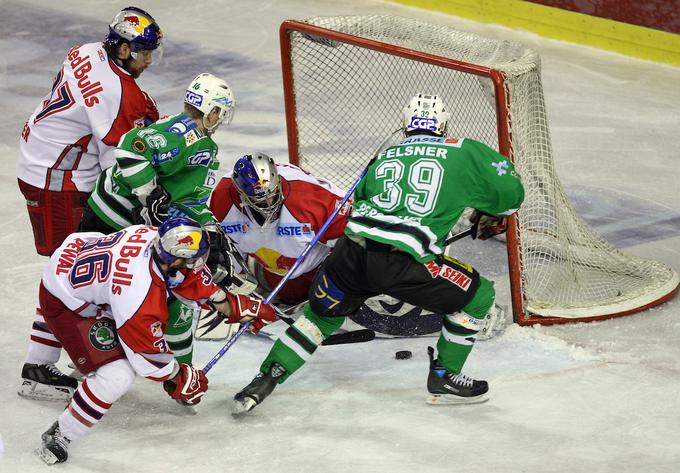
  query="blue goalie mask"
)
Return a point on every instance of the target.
[
  {"x": 258, "y": 184},
  {"x": 181, "y": 237}
]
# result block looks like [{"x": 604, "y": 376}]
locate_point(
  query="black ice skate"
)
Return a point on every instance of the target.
[
  {"x": 46, "y": 383},
  {"x": 446, "y": 387},
  {"x": 259, "y": 388},
  {"x": 54, "y": 448}
]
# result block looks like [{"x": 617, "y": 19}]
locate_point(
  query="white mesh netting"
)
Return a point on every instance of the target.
[{"x": 348, "y": 99}]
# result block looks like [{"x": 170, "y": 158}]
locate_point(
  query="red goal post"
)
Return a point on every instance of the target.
[{"x": 345, "y": 82}]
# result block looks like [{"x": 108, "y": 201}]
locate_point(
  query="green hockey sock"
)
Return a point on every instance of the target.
[
  {"x": 299, "y": 342},
  {"x": 458, "y": 330},
  {"x": 179, "y": 332}
]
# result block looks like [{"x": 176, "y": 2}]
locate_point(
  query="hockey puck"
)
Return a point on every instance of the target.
[{"x": 403, "y": 355}]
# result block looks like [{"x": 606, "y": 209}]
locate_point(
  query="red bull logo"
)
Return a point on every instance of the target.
[
  {"x": 261, "y": 184},
  {"x": 192, "y": 240},
  {"x": 139, "y": 23}
]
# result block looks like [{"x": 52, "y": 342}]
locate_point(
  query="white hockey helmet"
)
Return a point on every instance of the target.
[
  {"x": 207, "y": 92},
  {"x": 427, "y": 113}
]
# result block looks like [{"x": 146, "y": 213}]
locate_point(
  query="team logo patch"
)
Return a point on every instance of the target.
[
  {"x": 102, "y": 335},
  {"x": 156, "y": 329},
  {"x": 421, "y": 123},
  {"x": 202, "y": 158},
  {"x": 139, "y": 145},
  {"x": 501, "y": 167}
]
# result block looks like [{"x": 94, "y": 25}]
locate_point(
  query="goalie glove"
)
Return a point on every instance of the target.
[
  {"x": 220, "y": 260},
  {"x": 156, "y": 209},
  {"x": 187, "y": 386},
  {"x": 486, "y": 225}
]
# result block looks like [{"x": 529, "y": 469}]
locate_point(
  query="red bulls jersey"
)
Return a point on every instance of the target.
[
  {"x": 307, "y": 202},
  {"x": 115, "y": 276},
  {"x": 72, "y": 134}
]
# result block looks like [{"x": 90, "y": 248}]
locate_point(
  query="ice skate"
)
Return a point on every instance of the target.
[
  {"x": 257, "y": 391},
  {"x": 54, "y": 448},
  {"x": 446, "y": 387},
  {"x": 46, "y": 383}
]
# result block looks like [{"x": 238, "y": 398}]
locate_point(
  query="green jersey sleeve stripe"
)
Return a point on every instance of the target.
[
  {"x": 424, "y": 235},
  {"x": 387, "y": 236}
]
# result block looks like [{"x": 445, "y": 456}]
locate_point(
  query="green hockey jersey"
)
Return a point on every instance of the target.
[
  {"x": 414, "y": 192},
  {"x": 173, "y": 153}
]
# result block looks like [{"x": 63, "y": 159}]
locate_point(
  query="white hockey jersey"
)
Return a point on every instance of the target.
[
  {"x": 114, "y": 276},
  {"x": 72, "y": 134},
  {"x": 307, "y": 202}
]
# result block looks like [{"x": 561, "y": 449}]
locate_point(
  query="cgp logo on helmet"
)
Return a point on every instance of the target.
[
  {"x": 421, "y": 123},
  {"x": 102, "y": 335},
  {"x": 193, "y": 99}
]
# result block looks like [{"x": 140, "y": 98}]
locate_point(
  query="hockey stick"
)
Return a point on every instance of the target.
[
  {"x": 354, "y": 336},
  {"x": 298, "y": 261},
  {"x": 459, "y": 236}
]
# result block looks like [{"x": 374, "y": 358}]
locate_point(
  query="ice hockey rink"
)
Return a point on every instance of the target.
[{"x": 598, "y": 397}]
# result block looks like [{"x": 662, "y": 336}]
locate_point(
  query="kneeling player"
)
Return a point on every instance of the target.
[
  {"x": 104, "y": 299},
  {"x": 271, "y": 212},
  {"x": 411, "y": 196}
]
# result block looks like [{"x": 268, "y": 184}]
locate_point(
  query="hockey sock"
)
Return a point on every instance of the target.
[
  {"x": 299, "y": 342},
  {"x": 43, "y": 348},
  {"x": 458, "y": 330},
  {"x": 94, "y": 398},
  {"x": 179, "y": 333}
]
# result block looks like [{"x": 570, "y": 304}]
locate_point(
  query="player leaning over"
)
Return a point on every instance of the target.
[
  {"x": 411, "y": 196},
  {"x": 71, "y": 136},
  {"x": 168, "y": 166},
  {"x": 104, "y": 298},
  {"x": 271, "y": 212}
]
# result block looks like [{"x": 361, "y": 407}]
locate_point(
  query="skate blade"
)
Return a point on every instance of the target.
[
  {"x": 242, "y": 407},
  {"x": 46, "y": 456},
  {"x": 448, "y": 399},
  {"x": 40, "y": 392}
]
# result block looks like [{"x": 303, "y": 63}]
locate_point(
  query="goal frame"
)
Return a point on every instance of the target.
[{"x": 499, "y": 80}]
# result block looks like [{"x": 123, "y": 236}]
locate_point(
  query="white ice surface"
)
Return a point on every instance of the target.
[{"x": 602, "y": 397}]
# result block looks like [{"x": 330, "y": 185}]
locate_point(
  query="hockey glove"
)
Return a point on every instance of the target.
[
  {"x": 156, "y": 210},
  {"x": 188, "y": 386},
  {"x": 487, "y": 225},
  {"x": 242, "y": 309},
  {"x": 219, "y": 260}
]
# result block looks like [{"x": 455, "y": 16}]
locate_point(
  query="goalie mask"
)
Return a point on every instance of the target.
[
  {"x": 426, "y": 113},
  {"x": 207, "y": 92},
  {"x": 139, "y": 29},
  {"x": 258, "y": 184},
  {"x": 181, "y": 237}
]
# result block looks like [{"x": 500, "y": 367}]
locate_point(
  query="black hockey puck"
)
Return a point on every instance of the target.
[{"x": 403, "y": 355}]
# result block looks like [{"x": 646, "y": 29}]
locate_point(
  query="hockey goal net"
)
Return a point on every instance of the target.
[{"x": 346, "y": 80}]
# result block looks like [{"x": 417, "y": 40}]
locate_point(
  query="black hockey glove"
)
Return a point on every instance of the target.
[
  {"x": 156, "y": 210},
  {"x": 220, "y": 261},
  {"x": 486, "y": 225}
]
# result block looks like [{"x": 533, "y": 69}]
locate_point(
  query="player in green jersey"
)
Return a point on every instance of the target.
[
  {"x": 168, "y": 169},
  {"x": 405, "y": 206}
]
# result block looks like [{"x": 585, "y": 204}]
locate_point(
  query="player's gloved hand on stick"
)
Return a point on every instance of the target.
[
  {"x": 487, "y": 225},
  {"x": 239, "y": 308},
  {"x": 219, "y": 260},
  {"x": 156, "y": 210},
  {"x": 188, "y": 385}
]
